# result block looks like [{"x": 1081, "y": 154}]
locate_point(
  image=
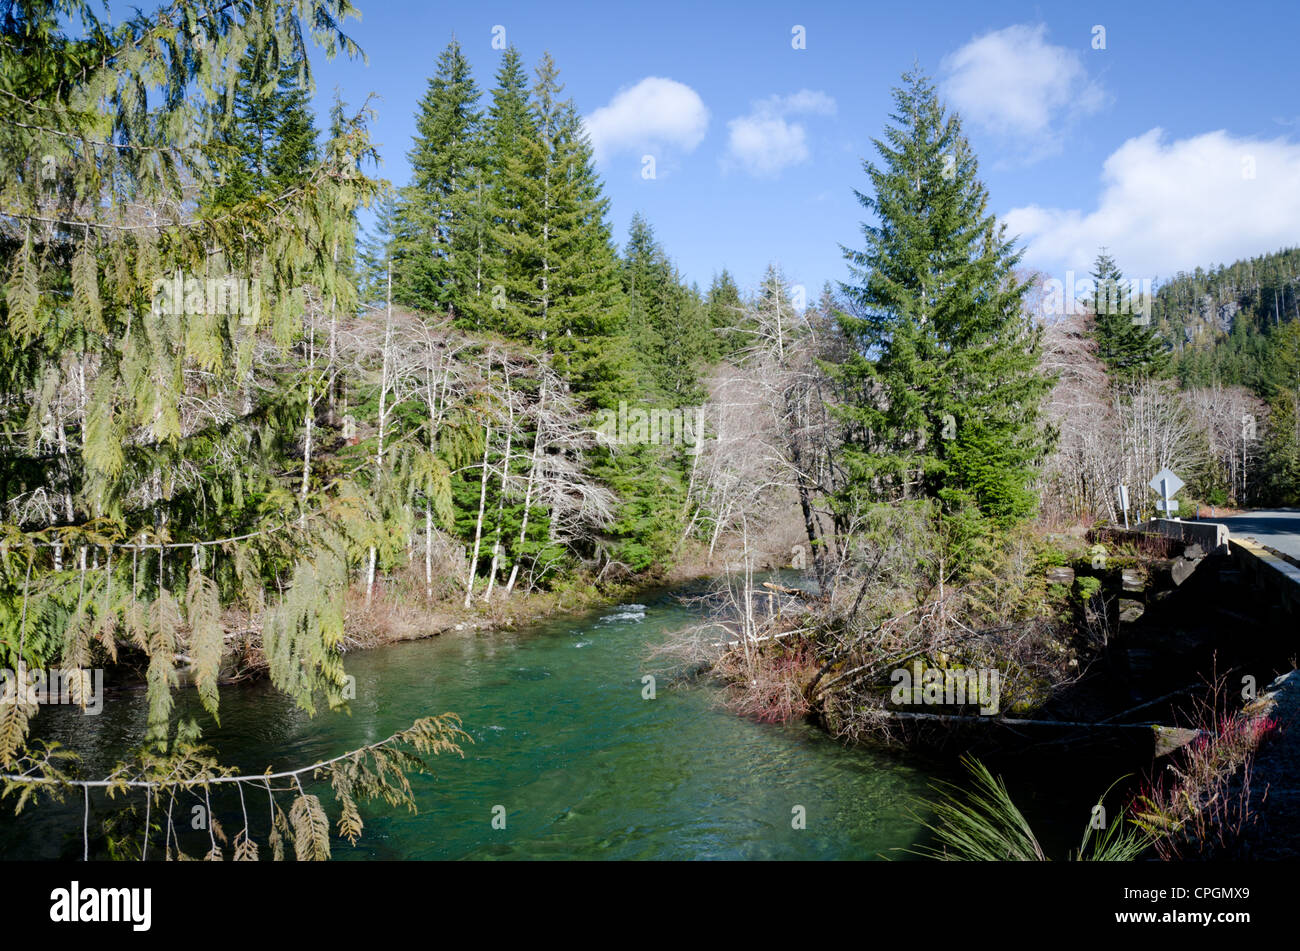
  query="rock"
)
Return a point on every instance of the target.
[
  {"x": 1061, "y": 575},
  {"x": 1170, "y": 738},
  {"x": 1194, "y": 552},
  {"x": 1134, "y": 579},
  {"x": 1130, "y": 611},
  {"x": 1182, "y": 570}
]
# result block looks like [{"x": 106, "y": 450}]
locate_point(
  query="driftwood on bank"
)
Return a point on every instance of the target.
[{"x": 795, "y": 592}]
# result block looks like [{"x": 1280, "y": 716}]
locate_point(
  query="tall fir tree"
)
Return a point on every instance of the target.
[
  {"x": 376, "y": 248},
  {"x": 266, "y": 142},
  {"x": 507, "y": 128},
  {"x": 1126, "y": 343},
  {"x": 726, "y": 316},
  {"x": 439, "y": 215},
  {"x": 570, "y": 297},
  {"x": 666, "y": 320},
  {"x": 942, "y": 380},
  {"x": 533, "y": 243}
]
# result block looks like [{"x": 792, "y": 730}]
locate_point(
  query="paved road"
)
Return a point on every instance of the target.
[{"x": 1277, "y": 528}]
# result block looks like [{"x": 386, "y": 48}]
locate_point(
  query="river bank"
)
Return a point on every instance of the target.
[{"x": 398, "y": 608}]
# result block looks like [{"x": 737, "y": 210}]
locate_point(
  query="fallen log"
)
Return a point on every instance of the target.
[
  {"x": 1167, "y": 738},
  {"x": 795, "y": 592}
]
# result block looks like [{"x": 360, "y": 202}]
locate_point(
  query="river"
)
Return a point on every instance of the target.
[{"x": 584, "y": 767}]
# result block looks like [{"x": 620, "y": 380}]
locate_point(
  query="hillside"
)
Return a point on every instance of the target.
[{"x": 1219, "y": 320}]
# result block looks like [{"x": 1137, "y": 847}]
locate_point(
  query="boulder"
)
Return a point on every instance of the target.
[
  {"x": 1182, "y": 570},
  {"x": 1060, "y": 575}
]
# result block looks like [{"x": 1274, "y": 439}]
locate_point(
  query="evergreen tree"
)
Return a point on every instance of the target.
[
  {"x": 666, "y": 321},
  {"x": 509, "y": 121},
  {"x": 1129, "y": 348},
  {"x": 267, "y": 141},
  {"x": 1282, "y": 440},
  {"x": 570, "y": 296},
  {"x": 533, "y": 242},
  {"x": 507, "y": 129},
  {"x": 439, "y": 220},
  {"x": 645, "y": 277},
  {"x": 942, "y": 386},
  {"x": 725, "y": 315},
  {"x": 686, "y": 344},
  {"x": 656, "y": 373}
]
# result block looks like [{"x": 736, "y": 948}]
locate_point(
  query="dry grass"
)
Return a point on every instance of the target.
[
  {"x": 1135, "y": 545},
  {"x": 391, "y": 617},
  {"x": 1199, "y": 807}
]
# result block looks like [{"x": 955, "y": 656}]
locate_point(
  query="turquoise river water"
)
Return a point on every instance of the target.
[{"x": 584, "y": 767}]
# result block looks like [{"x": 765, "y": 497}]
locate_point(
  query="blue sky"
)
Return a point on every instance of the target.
[{"x": 1176, "y": 145}]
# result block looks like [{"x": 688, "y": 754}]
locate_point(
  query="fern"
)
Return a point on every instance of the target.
[
  {"x": 22, "y": 294},
  {"x": 207, "y": 635},
  {"x": 14, "y": 717},
  {"x": 161, "y": 677},
  {"x": 245, "y": 848},
  {"x": 311, "y": 830},
  {"x": 281, "y": 833},
  {"x": 85, "y": 288}
]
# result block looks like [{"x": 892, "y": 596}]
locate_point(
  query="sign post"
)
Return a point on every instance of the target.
[{"x": 1167, "y": 484}]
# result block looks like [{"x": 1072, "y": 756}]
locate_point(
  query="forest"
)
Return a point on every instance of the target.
[{"x": 243, "y": 435}]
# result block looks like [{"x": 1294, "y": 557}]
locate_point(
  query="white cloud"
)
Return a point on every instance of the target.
[
  {"x": 1017, "y": 85},
  {"x": 765, "y": 141},
  {"x": 654, "y": 113},
  {"x": 1171, "y": 206}
]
